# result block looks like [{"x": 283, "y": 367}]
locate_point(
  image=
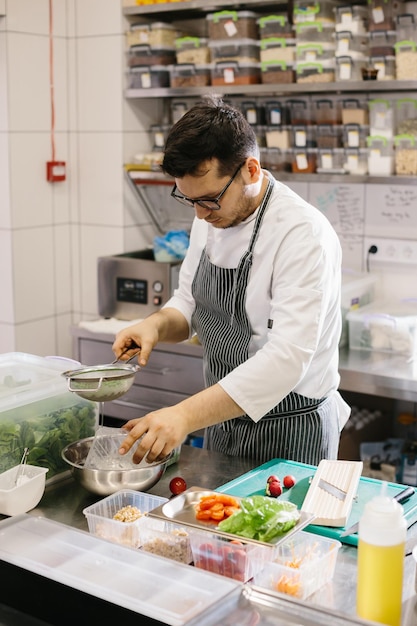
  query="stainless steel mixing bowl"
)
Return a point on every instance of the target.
[{"x": 107, "y": 481}]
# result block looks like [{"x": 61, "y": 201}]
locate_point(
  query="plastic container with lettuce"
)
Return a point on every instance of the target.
[{"x": 261, "y": 518}]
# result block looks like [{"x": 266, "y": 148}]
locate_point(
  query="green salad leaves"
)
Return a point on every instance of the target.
[{"x": 261, "y": 518}]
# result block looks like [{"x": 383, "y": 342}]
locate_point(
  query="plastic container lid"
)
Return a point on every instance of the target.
[{"x": 219, "y": 15}]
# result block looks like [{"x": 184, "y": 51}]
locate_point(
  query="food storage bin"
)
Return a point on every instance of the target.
[
  {"x": 105, "y": 517},
  {"x": 314, "y": 52},
  {"x": 381, "y": 14},
  {"x": 235, "y": 73},
  {"x": 304, "y": 136},
  {"x": 329, "y": 136},
  {"x": 277, "y": 72},
  {"x": 156, "y": 34},
  {"x": 192, "y": 50},
  {"x": 150, "y": 55},
  {"x": 275, "y": 26},
  {"x": 275, "y": 159},
  {"x": 303, "y": 161},
  {"x": 307, "y": 11},
  {"x": 260, "y": 132},
  {"x": 356, "y": 161},
  {"x": 232, "y": 558},
  {"x": 382, "y": 42},
  {"x": 277, "y": 49},
  {"x": 190, "y": 75},
  {"x": 348, "y": 68},
  {"x": 406, "y": 116},
  {"x": 167, "y": 539},
  {"x": 405, "y": 155},
  {"x": 254, "y": 112},
  {"x": 385, "y": 326},
  {"x": 37, "y": 411},
  {"x": 326, "y": 111},
  {"x": 354, "y": 111},
  {"x": 159, "y": 134},
  {"x": 351, "y": 18},
  {"x": 276, "y": 113},
  {"x": 380, "y": 156},
  {"x": 300, "y": 566},
  {"x": 300, "y": 111},
  {"x": 21, "y": 488},
  {"x": 381, "y": 117},
  {"x": 330, "y": 160},
  {"x": 385, "y": 66},
  {"x": 148, "y": 77},
  {"x": 230, "y": 24},
  {"x": 355, "y": 135},
  {"x": 355, "y": 46},
  {"x": 358, "y": 290},
  {"x": 406, "y": 60},
  {"x": 323, "y": 72},
  {"x": 242, "y": 50},
  {"x": 279, "y": 137},
  {"x": 315, "y": 33}
]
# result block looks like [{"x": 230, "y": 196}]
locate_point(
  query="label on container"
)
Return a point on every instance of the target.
[
  {"x": 346, "y": 17},
  {"x": 343, "y": 45},
  {"x": 251, "y": 116},
  {"x": 230, "y": 28},
  {"x": 275, "y": 116},
  {"x": 345, "y": 71},
  {"x": 380, "y": 66},
  {"x": 378, "y": 15},
  {"x": 353, "y": 139},
  {"x": 301, "y": 160},
  {"x": 300, "y": 138},
  {"x": 228, "y": 75},
  {"x": 352, "y": 162},
  {"x": 145, "y": 80},
  {"x": 327, "y": 161}
]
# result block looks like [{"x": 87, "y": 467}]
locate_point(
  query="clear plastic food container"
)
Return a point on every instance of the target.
[
  {"x": 235, "y": 73},
  {"x": 323, "y": 72},
  {"x": 406, "y": 116},
  {"x": 148, "y": 77},
  {"x": 275, "y": 159},
  {"x": 166, "y": 539},
  {"x": 229, "y": 24},
  {"x": 382, "y": 42},
  {"x": 351, "y": 18},
  {"x": 354, "y": 111},
  {"x": 275, "y": 26},
  {"x": 300, "y": 111},
  {"x": 277, "y": 49},
  {"x": 254, "y": 112},
  {"x": 157, "y": 34},
  {"x": 307, "y": 11},
  {"x": 406, "y": 60},
  {"x": 330, "y": 160},
  {"x": 315, "y": 32},
  {"x": 326, "y": 111},
  {"x": 381, "y": 117},
  {"x": 349, "y": 68},
  {"x": 385, "y": 66},
  {"x": 279, "y": 137},
  {"x": 356, "y": 161},
  {"x": 405, "y": 155},
  {"x": 307, "y": 52},
  {"x": 300, "y": 566},
  {"x": 355, "y": 135},
  {"x": 304, "y": 160},
  {"x": 242, "y": 50},
  {"x": 329, "y": 136},
  {"x": 192, "y": 50},
  {"x": 355, "y": 46},
  {"x": 277, "y": 72},
  {"x": 304, "y": 135},
  {"x": 150, "y": 55},
  {"x": 380, "y": 156},
  {"x": 190, "y": 75},
  {"x": 276, "y": 113},
  {"x": 381, "y": 14}
]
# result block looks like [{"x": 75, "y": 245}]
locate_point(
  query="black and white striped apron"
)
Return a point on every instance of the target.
[{"x": 298, "y": 428}]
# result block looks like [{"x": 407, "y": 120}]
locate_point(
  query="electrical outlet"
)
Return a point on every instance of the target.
[{"x": 391, "y": 250}]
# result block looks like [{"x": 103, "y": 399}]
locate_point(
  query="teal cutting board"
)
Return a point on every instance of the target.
[{"x": 254, "y": 482}]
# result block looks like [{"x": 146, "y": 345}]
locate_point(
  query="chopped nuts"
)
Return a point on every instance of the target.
[{"x": 128, "y": 513}]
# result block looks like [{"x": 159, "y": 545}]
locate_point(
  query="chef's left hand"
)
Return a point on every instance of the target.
[{"x": 161, "y": 431}]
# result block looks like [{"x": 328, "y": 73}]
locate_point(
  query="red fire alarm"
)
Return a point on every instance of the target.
[{"x": 55, "y": 171}]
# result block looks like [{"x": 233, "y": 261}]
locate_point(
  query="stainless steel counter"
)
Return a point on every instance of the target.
[{"x": 65, "y": 500}]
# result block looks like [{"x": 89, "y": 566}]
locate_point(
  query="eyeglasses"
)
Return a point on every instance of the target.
[{"x": 212, "y": 204}]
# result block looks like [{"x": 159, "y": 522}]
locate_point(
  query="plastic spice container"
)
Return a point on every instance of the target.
[
  {"x": 380, "y": 156},
  {"x": 277, "y": 72},
  {"x": 235, "y": 73},
  {"x": 275, "y": 26},
  {"x": 243, "y": 50},
  {"x": 277, "y": 49},
  {"x": 405, "y": 155},
  {"x": 192, "y": 50},
  {"x": 156, "y": 34},
  {"x": 304, "y": 161},
  {"x": 278, "y": 137},
  {"x": 406, "y": 116},
  {"x": 355, "y": 135},
  {"x": 348, "y": 68},
  {"x": 351, "y": 18},
  {"x": 148, "y": 55},
  {"x": 385, "y": 66},
  {"x": 323, "y": 72},
  {"x": 329, "y": 136},
  {"x": 190, "y": 75},
  {"x": 326, "y": 111},
  {"x": 254, "y": 113},
  {"x": 306, "y": 11},
  {"x": 232, "y": 24},
  {"x": 276, "y": 113},
  {"x": 304, "y": 136},
  {"x": 354, "y": 112},
  {"x": 382, "y": 42},
  {"x": 406, "y": 60},
  {"x": 300, "y": 111},
  {"x": 355, "y": 46},
  {"x": 330, "y": 160},
  {"x": 148, "y": 77},
  {"x": 381, "y": 117},
  {"x": 356, "y": 161}
]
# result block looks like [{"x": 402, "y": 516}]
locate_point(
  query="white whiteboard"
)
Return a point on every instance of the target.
[
  {"x": 391, "y": 211},
  {"x": 343, "y": 205}
]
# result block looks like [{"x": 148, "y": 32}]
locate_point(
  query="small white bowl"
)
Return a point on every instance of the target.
[{"x": 21, "y": 498}]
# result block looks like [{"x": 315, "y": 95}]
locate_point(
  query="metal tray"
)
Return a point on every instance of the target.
[{"x": 181, "y": 509}]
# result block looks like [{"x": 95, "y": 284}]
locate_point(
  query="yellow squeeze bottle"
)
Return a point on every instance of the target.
[{"x": 381, "y": 546}]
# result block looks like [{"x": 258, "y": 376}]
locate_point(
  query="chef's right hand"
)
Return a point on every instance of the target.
[{"x": 139, "y": 338}]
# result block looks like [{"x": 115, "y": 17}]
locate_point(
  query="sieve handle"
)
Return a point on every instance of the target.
[{"x": 76, "y": 389}]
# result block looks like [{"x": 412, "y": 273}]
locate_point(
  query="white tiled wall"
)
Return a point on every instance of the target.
[{"x": 52, "y": 234}]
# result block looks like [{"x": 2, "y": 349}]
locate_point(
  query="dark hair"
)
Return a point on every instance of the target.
[{"x": 210, "y": 129}]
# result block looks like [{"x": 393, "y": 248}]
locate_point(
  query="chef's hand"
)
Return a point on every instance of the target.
[
  {"x": 161, "y": 432},
  {"x": 139, "y": 338}
]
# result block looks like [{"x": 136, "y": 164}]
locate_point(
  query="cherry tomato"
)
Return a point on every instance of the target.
[
  {"x": 289, "y": 481},
  {"x": 177, "y": 485},
  {"x": 273, "y": 489},
  {"x": 272, "y": 479}
]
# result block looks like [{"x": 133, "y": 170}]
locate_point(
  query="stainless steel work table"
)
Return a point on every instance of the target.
[{"x": 65, "y": 500}]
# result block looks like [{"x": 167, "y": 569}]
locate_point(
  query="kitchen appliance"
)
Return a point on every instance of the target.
[{"x": 133, "y": 285}]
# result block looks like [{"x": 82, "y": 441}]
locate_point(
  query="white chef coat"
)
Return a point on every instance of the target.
[{"x": 294, "y": 287}]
